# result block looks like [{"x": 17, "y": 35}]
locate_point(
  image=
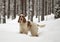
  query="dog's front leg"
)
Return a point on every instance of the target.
[
  {"x": 25, "y": 31},
  {"x": 21, "y": 30}
]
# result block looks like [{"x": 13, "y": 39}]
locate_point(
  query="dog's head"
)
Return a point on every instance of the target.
[{"x": 22, "y": 18}]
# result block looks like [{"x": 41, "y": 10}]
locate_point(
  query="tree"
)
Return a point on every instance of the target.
[
  {"x": 32, "y": 10},
  {"x": 14, "y": 9},
  {"x": 36, "y": 8},
  {"x": 0, "y": 17},
  {"x": 28, "y": 9},
  {"x": 4, "y": 10},
  {"x": 45, "y": 7},
  {"x": 52, "y": 6},
  {"x": 49, "y": 6},
  {"x": 0, "y": 11},
  {"x": 8, "y": 15},
  {"x": 21, "y": 4},
  {"x": 24, "y": 7},
  {"x": 42, "y": 15},
  {"x": 17, "y": 9}
]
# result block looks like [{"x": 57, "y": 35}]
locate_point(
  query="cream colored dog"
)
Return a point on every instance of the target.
[{"x": 26, "y": 26}]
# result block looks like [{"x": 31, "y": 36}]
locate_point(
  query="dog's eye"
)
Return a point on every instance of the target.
[{"x": 22, "y": 16}]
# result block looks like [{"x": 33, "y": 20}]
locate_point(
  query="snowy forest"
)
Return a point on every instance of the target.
[
  {"x": 41, "y": 12},
  {"x": 39, "y": 8}
]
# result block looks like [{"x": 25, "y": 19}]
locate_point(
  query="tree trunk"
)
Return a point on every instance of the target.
[
  {"x": 32, "y": 10},
  {"x": 45, "y": 7},
  {"x": 24, "y": 7},
  {"x": 36, "y": 8},
  {"x": 42, "y": 15},
  {"x": 14, "y": 9},
  {"x": 0, "y": 18},
  {"x": 4, "y": 10},
  {"x": 52, "y": 6},
  {"x": 28, "y": 9},
  {"x": 49, "y": 7},
  {"x": 17, "y": 9},
  {"x": 8, "y": 15},
  {"x": 39, "y": 11},
  {"x": 21, "y": 6}
]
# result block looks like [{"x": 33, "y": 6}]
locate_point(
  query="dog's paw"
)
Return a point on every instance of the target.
[
  {"x": 26, "y": 33},
  {"x": 36, "y": 35},
  {"x": 21, "y": 32}
]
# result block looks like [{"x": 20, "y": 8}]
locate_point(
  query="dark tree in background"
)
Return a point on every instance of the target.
[
  {"x": 21, "y": 6},
  {"x": 17, "y": 9},
  {"x": 57, "y": 10},
  {"x": 49, "y": 7},
  {"x": 28, "y": 4},
  {"x": 52, "y": 6},
  {"x": 45, "y": 7},
  {"x": 32, "y": 10},
  {"x": 24, "y": 7},
  {"x": 8, "y": 15},
  {"x": 4, "y": 10},
  {"x": 36, "y": 8},
  {"x": 0, "y": 18},
  {"x": 14, "y": 15},
  {"x": 42, "y": 15},
  {"x": 0, "y": 11}
]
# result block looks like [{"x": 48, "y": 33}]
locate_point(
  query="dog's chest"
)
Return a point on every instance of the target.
[{"x": 24, "y": 25}]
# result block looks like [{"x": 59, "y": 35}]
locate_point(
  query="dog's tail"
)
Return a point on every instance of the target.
[{"x": 41, "y": 25}]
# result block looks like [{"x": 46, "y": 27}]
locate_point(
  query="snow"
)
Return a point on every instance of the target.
[{"x": 9, "y": 32}]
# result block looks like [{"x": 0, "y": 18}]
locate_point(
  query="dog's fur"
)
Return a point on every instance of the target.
[{"x": 26, "y": 26}]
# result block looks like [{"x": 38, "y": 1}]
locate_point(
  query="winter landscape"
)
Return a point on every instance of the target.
[
  {"x": 9, "y": 32},
  {"x": 45, "y": 12}
]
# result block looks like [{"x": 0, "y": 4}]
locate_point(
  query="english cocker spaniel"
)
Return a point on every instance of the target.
[{"x": 26, "y": 26}]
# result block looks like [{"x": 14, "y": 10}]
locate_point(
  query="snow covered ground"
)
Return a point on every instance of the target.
[{"x": 9, "y": 32}]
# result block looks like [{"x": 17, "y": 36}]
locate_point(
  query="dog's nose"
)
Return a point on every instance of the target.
[{"x": 21, "y": 19}]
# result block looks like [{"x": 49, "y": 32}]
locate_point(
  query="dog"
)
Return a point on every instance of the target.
[{"x": 26, "y": 26}]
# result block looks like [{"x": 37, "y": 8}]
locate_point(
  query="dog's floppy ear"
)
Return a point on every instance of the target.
[
  {"x": 24, "y": 20},
  {"x": 28, "y": 23}
]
